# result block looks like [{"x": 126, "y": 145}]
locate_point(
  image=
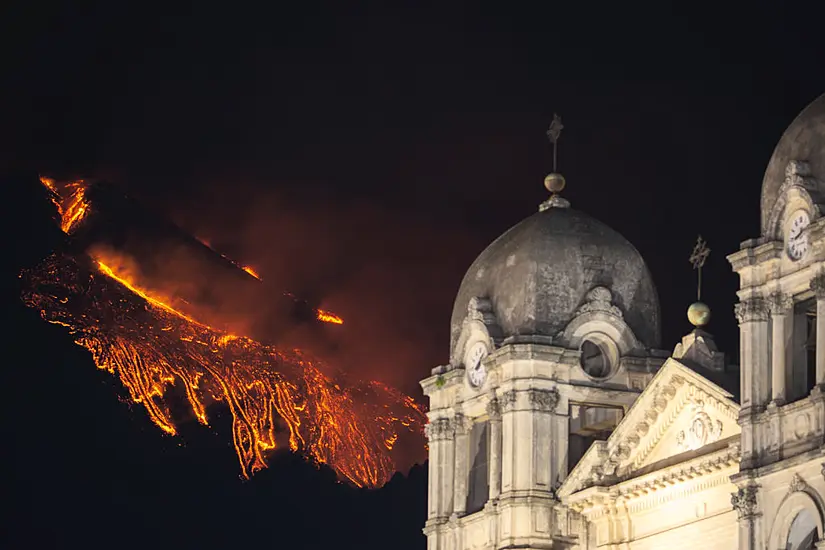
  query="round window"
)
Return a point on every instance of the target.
[{"x": 594, "y": 360}]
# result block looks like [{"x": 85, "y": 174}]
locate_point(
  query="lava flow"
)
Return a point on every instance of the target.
[{"x": 275, "y": 396}]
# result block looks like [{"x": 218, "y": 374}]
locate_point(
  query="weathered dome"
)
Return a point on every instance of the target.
[
  {"x": 804, "y": 140},
  {"x": 537, "y": 274}
]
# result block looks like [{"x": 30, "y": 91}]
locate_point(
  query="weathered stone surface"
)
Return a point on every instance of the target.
[
  {"x": 537, "y": 274},
  {"x": 804, "y": 140}
]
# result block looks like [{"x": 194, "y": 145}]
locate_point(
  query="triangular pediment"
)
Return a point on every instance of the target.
[{"x": 680, "y": 415}]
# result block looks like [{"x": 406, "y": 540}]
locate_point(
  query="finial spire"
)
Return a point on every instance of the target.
[
  {"x": 698, "y": 312},
  {"x": 554, "y": 182},
  {"x": 553, "y": 133}
]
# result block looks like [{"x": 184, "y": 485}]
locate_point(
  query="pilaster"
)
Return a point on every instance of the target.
[
  {"x": 818, "y": 287},
  {"x": 462, "y": 426},
  {"x": 440, "y": 433},
  {"x": 780, "y": 307},
  {"x": 752, "y": 314},
  {"x": 494, "y": 412},
  {"x": 746, "y": 504}
]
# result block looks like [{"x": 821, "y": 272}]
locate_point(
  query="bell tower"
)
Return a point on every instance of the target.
[
  {"x": 781, "y": 314},
  {"x": 554, "y": 334}
]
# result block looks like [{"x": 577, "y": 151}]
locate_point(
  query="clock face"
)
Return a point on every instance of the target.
[
  {"x": 476, "y": 373},
  {"x": 797, "y": 238}
]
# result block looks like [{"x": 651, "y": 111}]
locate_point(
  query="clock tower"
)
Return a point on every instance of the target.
[{"x": 554, "y": 334}]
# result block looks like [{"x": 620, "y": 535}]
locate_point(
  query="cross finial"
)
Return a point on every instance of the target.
[
  {"x": 697, "y": 258},
  {"x": 553, "y": 133}
]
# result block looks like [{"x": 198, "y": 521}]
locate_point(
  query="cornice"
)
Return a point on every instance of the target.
[
  {"x": 657, "y": 488},
  {"x": 755, "y": 254}
]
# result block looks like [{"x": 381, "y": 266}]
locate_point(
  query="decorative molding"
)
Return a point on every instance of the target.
[
  {"x": 751, "y": 309},
  {"x": 600, "y": 299},
  {"x": 494, "y": 409},
  {"x": 439, "y": 429},
  {"x": 797, "y": 484},
  {"x": 703, "y": 430},
  {"x": 779, "y": 303},
  {"x": 799, "y": 183},
  {"x": 479, "y": 309},
  {"x": 669, "y": 485},
  {"x": 508, "y": 400},
  {"x": 544, "y": 400},
  {"x": 744, "y": 501},
  {"x": 817, "y": 285}
]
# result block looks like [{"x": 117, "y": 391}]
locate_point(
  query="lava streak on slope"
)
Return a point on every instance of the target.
[{"x": 275, "y": 396}]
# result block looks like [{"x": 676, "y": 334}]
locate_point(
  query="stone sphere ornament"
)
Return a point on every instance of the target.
[
  {"x": 698, "y": 314},
  {"x": 554, "y": 182}
]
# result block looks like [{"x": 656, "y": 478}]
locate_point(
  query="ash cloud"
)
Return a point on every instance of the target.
[{"x": 392, "y": 275}]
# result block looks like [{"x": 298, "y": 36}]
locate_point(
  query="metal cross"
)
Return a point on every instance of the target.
[
  {"x": 553, "y": 134},
  {"x": 697, "y": 258}
]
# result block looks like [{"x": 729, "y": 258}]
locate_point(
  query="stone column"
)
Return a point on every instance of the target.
[
  {"x": 439, "y": 488},
  {"x": 818, "y": 286},
  {"x": 462, "y": 470},
  {"x": 780, "y": 307},
  {"x": 494, "y": 412},
  {"x": 745, "y": 503},
  {"x": 752, "y": 314}
]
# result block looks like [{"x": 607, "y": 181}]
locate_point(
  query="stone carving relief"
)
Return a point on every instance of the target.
[
  {"x": 702, "y": 431},
  {"x": 494, "y": 409},
  {"x": 817, "y": 284},
  {"x": 439, "y": 429},
  {"x": 480, "y": 309},
  {"x": 779, "y": 303},
  {"x": 544, "y": 400},
  {"x": 508, "y": 400},
  {"x": 799, "y": 184},
  {"x": 462, "y": 424},
  {"x": 600, "y": 299},
  {"x": 797, "y": 484},
  {"x": 751, "y": 309},
  {"x": 744, "y": 501}
]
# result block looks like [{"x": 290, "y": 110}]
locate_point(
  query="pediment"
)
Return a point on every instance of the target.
[{"x": 680, "y": 415}]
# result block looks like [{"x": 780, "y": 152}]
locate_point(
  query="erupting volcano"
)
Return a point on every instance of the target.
[{"x": 161, "y": 350}]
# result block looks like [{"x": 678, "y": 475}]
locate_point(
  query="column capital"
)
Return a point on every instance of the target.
[
  {"x": 751, "y": 309},
  {"x": 779, "y": 303},
  {"x": 817, "y": 284},
  {"x": 494, "y": 409},
  {"x": 744, "y": 501},
  {"x": 439, "y": 429},
  {"x": 508, "y": 400},
  {"x": 462, "y": 424},
  {"x": 544, "y": 400}
]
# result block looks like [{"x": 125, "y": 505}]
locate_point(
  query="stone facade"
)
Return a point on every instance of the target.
[{"x": 575, "y": 433}]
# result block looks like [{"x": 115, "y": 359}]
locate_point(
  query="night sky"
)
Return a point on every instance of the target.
[{"x": 360, "y": 156}]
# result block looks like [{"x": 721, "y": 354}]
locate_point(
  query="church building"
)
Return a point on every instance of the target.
[{"x": 560, "y": 422}]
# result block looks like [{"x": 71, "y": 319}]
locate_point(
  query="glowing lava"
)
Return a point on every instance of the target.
[
  {"x": 328, "y": 317},
  {"x": 251, "y": 272},
  {"x": 72, "y": 205},
  {"x": 275, "y": 396}
]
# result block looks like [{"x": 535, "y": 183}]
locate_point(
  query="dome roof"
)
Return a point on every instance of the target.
[
  {"x": 538, "y": 273},
  {"x": 803, "y": 140}
]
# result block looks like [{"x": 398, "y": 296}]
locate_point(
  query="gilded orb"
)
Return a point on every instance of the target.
[
  {"x": 698, "y": 314},
  {"x": 554, "y": 182}
]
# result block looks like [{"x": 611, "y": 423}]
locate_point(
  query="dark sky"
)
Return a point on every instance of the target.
[{"x": 362, "y": 155}]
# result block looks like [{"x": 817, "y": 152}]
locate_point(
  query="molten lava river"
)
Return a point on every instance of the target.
[{"x": 153, "y": 347}]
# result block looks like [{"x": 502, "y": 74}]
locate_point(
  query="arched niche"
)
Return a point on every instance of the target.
[{"x": 794, "y": 520}]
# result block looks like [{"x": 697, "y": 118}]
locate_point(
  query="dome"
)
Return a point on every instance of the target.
[
  {"x": 803, "y": 140},
  {"x": 537, "y": 274}
]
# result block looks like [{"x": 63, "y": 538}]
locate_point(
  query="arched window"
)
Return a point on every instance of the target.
[{"x": 802, "y": 535}]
